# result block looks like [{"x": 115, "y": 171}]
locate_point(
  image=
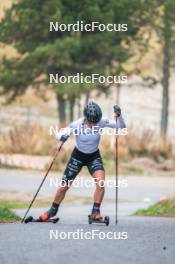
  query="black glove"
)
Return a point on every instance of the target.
[
  {"x": 64, "y": 138},
  {"x": 117, "y": 110}
]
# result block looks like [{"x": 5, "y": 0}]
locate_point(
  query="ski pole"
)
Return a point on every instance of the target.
[
  {"x": 49, "y": 168},
  {"x": 117, "y": 112},
  {"x": 116, "y": 181}
]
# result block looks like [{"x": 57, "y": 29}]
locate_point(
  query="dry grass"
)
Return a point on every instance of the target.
[
  {"x": 35, "y": 140},
  {"x": 143, "y": 145},
  {"x": 148, "y": 145},
  {"x": 27, "y": 140}
]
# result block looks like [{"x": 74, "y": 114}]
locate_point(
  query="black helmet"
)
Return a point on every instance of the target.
[{"x": 92, "y": 112}]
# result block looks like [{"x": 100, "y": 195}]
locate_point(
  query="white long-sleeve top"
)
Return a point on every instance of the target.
[{"x": 87, "y": 139}]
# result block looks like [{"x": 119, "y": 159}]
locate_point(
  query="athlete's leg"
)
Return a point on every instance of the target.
[
  {"x": 72, "y": 169},
  {"x": 96, "y": 169},
  {"x": 61, "y": 192},
  {"x": 99, "y": 178}
]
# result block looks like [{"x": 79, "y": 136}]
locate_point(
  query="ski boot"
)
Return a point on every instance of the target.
[{"x": 50, "y": 213}]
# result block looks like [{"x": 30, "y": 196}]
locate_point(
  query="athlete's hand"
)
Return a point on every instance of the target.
[
  {"x": 117, "y": 111},
  {"x": 64, "y": 138}
]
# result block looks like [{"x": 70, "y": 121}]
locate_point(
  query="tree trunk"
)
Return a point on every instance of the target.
[
  {"x": 87, "y": 97},
  {"x": 118, "y": 94},
  {"x": 71, "y": 108},
  {"x": 79, "y": 107},
  {"x": 165, "y": 78},
  {"x": 61, "y": 108}
]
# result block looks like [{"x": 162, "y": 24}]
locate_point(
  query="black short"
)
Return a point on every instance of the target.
[{"x": 78, "y": 159}]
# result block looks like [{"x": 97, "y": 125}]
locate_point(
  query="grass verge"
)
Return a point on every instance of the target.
[
  {"x": 7, "y": 216},
  {"x": 16, "y": 204},
  {"x": 6, "y": 206},
  {"x": 164, "y": 208}
]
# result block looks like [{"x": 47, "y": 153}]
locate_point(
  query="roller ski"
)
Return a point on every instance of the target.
[
  {"x": 46, "y": 217},
  {"x": 97, "y": 218},
  {"x": 30, "y": 219}
]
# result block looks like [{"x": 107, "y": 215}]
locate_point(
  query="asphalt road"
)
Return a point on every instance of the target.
[
  {"x": 140, "y": 191},
  {"x": 150, "y": 240}
]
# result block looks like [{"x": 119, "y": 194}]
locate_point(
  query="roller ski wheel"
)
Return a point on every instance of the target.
[
  {"x": 30, "y": 219},
  {"x": 106, "y": 220},
  {"x": 97, "y": 218}
]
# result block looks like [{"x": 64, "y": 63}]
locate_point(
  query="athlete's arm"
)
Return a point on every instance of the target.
[
  {"x": 117, "y": 123},
  {"x": 64, "y": 133}
]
